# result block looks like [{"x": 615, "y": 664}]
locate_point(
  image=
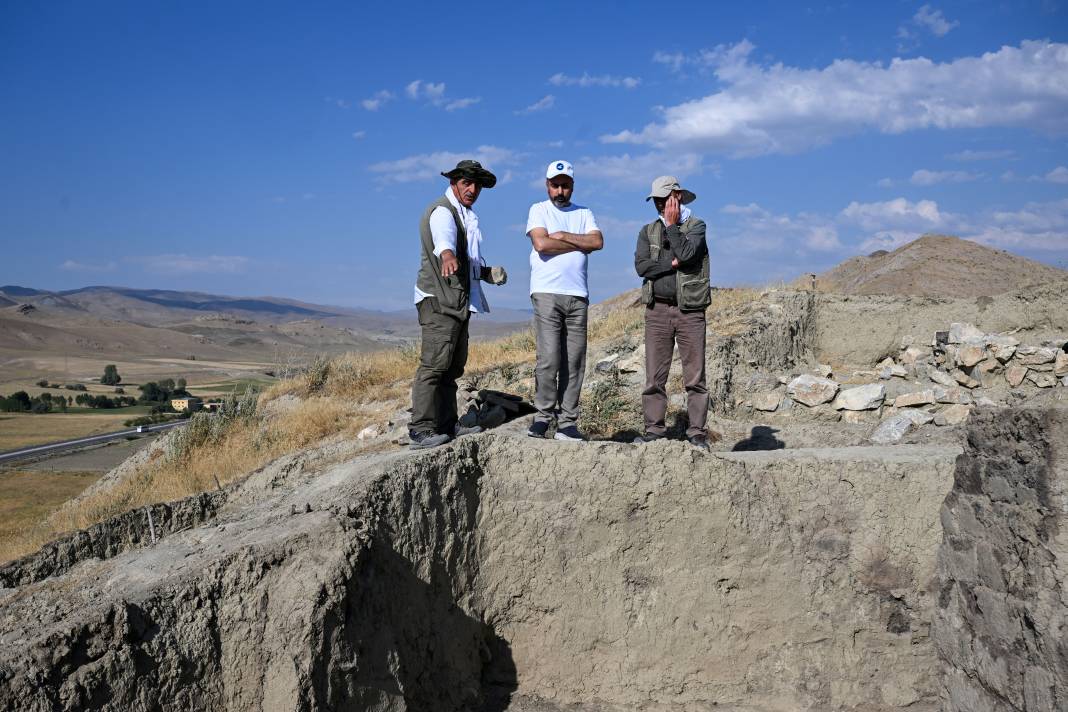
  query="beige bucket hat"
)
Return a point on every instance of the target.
[{"x": 663, "y": 187}]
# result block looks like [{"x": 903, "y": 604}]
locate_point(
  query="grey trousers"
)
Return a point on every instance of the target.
[
  {"x": 560, "y": 333},
  {"x": 442, "y": 358},
  {"x": 664, "y": 325}
]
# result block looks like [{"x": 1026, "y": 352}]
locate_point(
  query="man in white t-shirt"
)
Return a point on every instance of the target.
[{"x": 563, "y": 235}]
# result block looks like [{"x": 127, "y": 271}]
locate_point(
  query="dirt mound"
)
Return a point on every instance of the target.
[{"x": 938, "y": 266}]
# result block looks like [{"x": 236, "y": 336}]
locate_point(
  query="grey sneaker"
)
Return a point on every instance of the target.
[
  {"x": 569, "y": 433},
  {"x": 700, "y": 442},
  {"x": 538, "y": 429},
  {"x": 426, "y": 440},
  {"x": 647, "y": 438},
  {"x": 466, "y": 430}
]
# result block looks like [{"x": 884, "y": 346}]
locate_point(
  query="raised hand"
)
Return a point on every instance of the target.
[{"x": 672, "y": 210}]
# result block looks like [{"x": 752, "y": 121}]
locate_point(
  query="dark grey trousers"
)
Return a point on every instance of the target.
[
  {"x": 664, "y": 325},
  {"x": 441, "y": 361},
  {"x": 560, "y": 334}
]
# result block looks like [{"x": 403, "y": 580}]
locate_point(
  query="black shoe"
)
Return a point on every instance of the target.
[
  {"x": 569, "y": 433},
  {"x": 647, "y": 438},
  {"x": 466, "y": 430},
  {"x": 426, "y": 440},
  {"x": 700, "y": 442},
  {"x": 538, "y": 429}
]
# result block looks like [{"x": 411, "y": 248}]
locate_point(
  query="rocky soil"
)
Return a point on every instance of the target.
[{"x": 879, "y": 527}]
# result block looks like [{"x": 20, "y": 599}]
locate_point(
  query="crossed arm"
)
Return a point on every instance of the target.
[{"x": 557, "y": 243}]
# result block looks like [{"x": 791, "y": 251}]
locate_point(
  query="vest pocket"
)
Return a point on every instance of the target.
[{"x": 694, "y": 293}]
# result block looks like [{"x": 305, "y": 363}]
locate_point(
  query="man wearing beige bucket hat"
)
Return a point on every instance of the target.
[{"x": 672, "y": 259}]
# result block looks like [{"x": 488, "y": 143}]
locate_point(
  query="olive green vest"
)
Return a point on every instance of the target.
[
  {"x": 693, "y": 289},
  {"x": 453, "y": 293}
]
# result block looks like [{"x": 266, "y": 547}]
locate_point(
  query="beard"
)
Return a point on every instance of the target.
[{"x": 561, "y": 201}]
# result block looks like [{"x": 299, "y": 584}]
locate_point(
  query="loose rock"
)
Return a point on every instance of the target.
[
  {"x": 767, "y": 401},
  {"x": 942, "y": 378},
  {"x": 1042, "y": 380},
  {"x": 812, "y": 390},
  {"x": 1035, "y": 355},
  {"x": 914, "y": 399},
  {"x": 1015, "y": 375},
  {"x": 891, "y": 430},
  {"x": 964, "y": 379},
  {"x": 865, "y": 397},
  {"x": 955, "y": 395},
  {"x": 371, "y": 431},
  {"x": 970, "y": 354},
  {"x": 960, "y": 332},
  {"x": 1060, "y": 365},
  {"x": 953, "y": 415}
]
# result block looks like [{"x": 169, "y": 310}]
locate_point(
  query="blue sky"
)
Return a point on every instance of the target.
[{"x": 290, "y": 149}]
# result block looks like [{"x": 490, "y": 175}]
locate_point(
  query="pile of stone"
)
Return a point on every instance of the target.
[{"x": 938, "y": 384}]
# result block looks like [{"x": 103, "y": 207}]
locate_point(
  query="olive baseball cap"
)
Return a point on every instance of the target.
[{"x": 665, "y": 185}]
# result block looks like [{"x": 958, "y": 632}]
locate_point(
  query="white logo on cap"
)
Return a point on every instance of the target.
[{"x": 559, "y": 166}]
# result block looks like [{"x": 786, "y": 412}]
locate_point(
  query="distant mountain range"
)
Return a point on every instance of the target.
[{"x": 154, "y": 322}]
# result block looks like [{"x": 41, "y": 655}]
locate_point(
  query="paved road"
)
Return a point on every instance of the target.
[{"x": 52, "y": 448}]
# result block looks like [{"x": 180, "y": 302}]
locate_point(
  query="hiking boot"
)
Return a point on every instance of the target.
[
  {"x": 538, "y": 429},
  {"x": 569, "y": 433},
  {"x": 466, "y": 430},
  {"x": 700, "y": 442},
  {"x": 425, "y": 440},
  {"x": 647, "y": 438}
]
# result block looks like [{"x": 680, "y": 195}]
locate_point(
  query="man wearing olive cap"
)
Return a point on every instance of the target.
[
  {"x": 447, "y": 290},
  {"x": 562, "y": 235},
  {"x": 672, "y": 259}
]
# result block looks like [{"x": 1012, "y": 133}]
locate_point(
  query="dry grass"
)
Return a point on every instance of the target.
[
  {"x": 19, "y": 430},
  {"x": 28, "y": 497}
]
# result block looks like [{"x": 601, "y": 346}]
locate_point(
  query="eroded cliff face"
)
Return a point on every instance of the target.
[
  {"x": 504, "y": 573},
  {"x": 1002, "y": 614}
]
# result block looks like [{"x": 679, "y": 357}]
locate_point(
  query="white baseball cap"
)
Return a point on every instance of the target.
[{"x": 560, "y": 168}]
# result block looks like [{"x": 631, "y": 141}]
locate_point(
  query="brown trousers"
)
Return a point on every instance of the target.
[{"x": 664, "y": 325}]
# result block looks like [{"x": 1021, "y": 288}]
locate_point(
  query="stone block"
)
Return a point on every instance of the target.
[
  {"x": 953, "y": 415},
  {"x": 1042, "y": 380},
  {"x": 955, "y": 395},
  {"x": 1002, "y": 352},
  {"x": 942, "y": 378},
  {"x": 1035, "y": 355},
  {"x": 812, "y": 390},
  {"x": 916, "y": 398},
  {"x": 970, "y": 354},
  {"x": 867, "y": 397},
  {"x": 965, "y": 379},
  {"x": 1060, "y": 364},
  {"x": 913, "y": 354},
  {"x": 892, "y": 430},
  {"x": 989, "y": 365},
  {"x": 768, "y": 402},
  {"x": 961, "y": 332},
  {"x": 1015, "y": 375}
]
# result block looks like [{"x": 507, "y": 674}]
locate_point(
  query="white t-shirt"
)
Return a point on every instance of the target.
[{"x": 566, "y": 273}]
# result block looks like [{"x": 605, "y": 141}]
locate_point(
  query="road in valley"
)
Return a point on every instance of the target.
[{"x": 53, "y": 448}]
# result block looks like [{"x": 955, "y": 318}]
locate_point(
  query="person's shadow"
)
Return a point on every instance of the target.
[{"x": 762, "y": 437}]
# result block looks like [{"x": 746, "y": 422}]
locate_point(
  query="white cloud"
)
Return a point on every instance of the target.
[
  {"x": 425, "y": 166},
  {"x": 339, "y": 103},
  {"x": 462, "y": 103},
  {"x": 377, "y": 101},
  {"x": 934, "y": 21},
  {"x": 899, "y": 213},
  {"x": 755, "y": 229},
  {"x": 434, "y": 94},
  {"x": 638, "y": 170},
  {"x": 188, "y": 264},
  {"x": 1058, "y": 175},
  {"x": 766, "y": 109},
  {"x": 885, "y": 183},
  {"x": 673, "y": 60},
  {"x": 1038, "y": 226},
  {"x": 359, "y": 135},
  {"x": 587, "y": 80},
  {"x": 926, "y": 177},
  {"x": 75, "y": 266},
  {"x": 543, "y": 104},
  {"x": 970, "y": 155}
]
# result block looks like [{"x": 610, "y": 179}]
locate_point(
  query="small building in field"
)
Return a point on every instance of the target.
[{"x": 182, "y": 405}]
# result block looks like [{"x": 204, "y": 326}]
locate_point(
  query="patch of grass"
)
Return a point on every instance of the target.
[
  {"x": 607, "y": 412},
  {"x": 19, "y": 430},
  {"x": 28, "y": 497}
]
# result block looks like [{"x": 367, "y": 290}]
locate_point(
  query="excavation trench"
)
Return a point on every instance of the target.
[{"x": 503, "y": 573}]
